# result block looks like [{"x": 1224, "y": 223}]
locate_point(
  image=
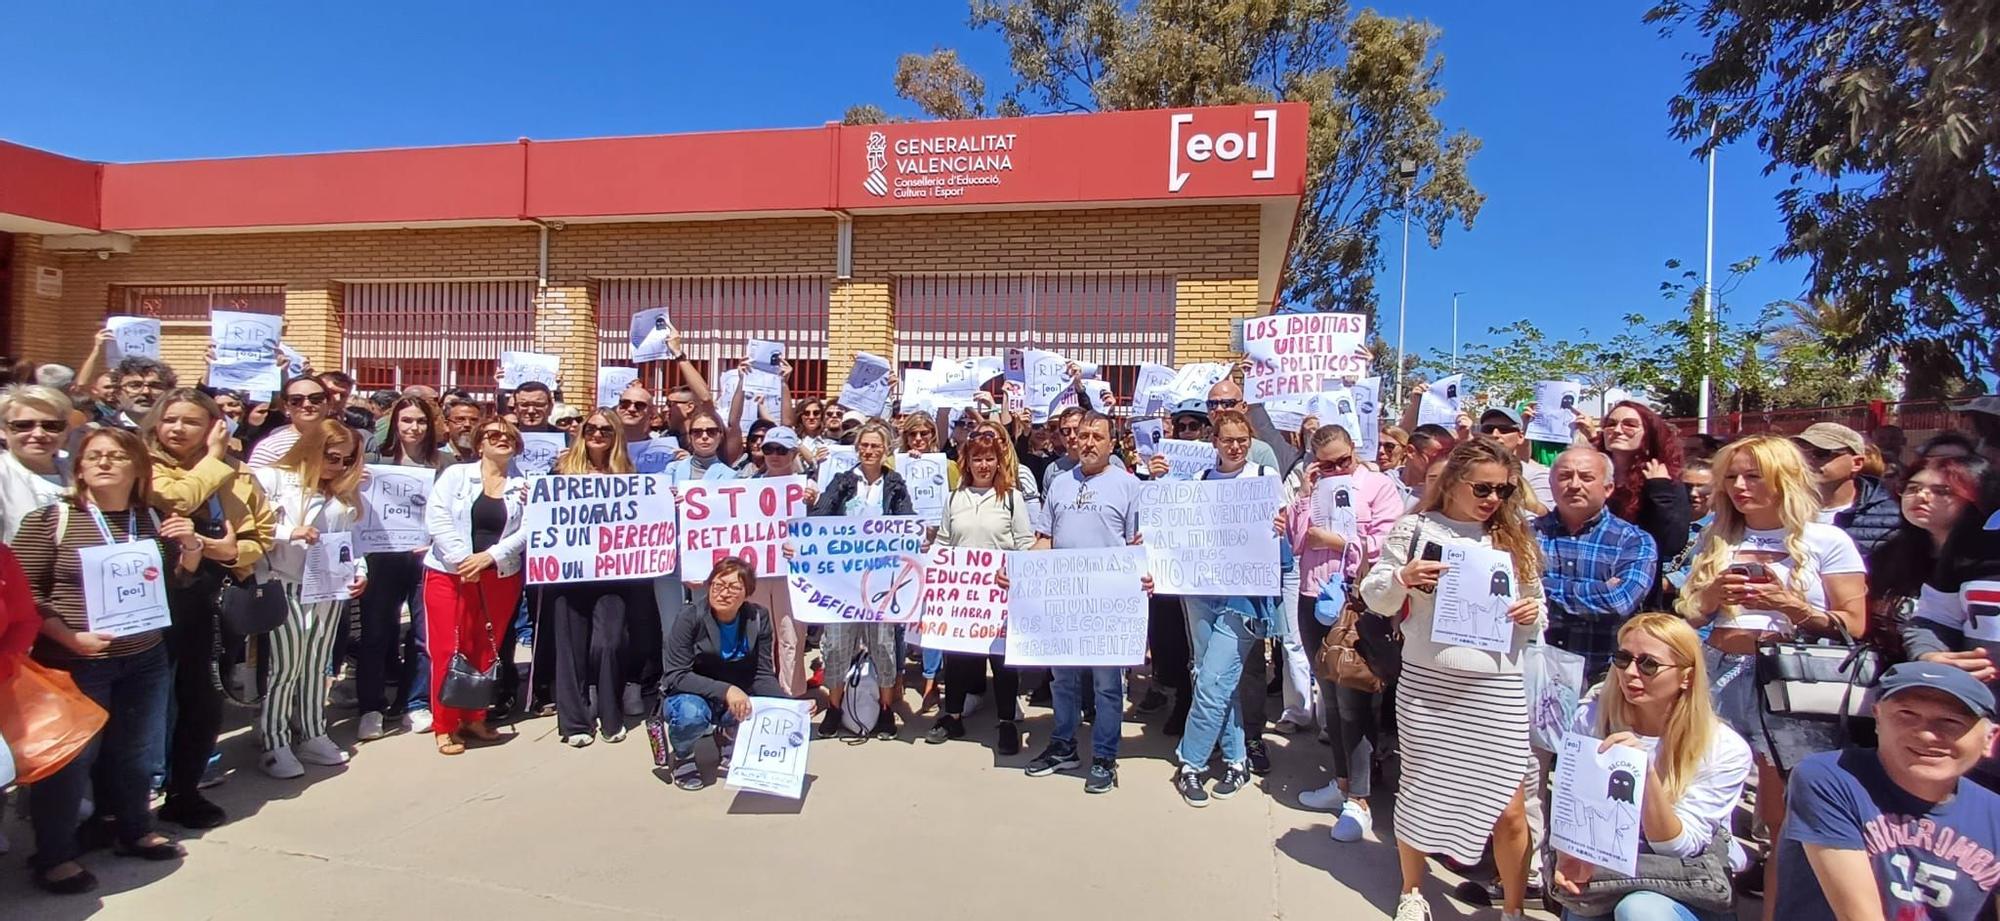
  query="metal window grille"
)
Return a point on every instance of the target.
[
  {"x": 439, "y": 334},
  {"x": 193, "y": 302},
  {"x": 716, "y": 315}
]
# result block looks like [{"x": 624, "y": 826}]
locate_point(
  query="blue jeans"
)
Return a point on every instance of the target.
[
  {"x": 689, "y": 718},
  {"x": 1219, "y": 639},
  {"x": 1109, "y": 696},
  {"x": 1650, "y": 906},
  {"x": 133, "y": 691},
  {"x": 933, "y": 663}
]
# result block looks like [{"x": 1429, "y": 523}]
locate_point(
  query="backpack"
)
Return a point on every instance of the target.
[{"x": 862, "y": 705}]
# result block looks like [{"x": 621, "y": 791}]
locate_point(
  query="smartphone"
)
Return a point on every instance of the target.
[
  {"x": 1755, "y": 572},
  {"x": 1433, "y": 553}
]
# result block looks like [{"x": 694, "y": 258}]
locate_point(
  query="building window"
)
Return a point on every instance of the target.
[
  {"x": 716, "y": 315},
  {"x": 193, "y": 302},
  {"x": 438, "y": 334}
]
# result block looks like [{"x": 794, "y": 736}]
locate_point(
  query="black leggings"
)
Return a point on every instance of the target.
[
  {"x": 197, "y": 699},
  {"x": 965, "y": 673},
  {"x": 585, "y": 622}
]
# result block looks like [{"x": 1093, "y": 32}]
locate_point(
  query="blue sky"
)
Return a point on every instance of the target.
[{"x": 1587, "y": 196}]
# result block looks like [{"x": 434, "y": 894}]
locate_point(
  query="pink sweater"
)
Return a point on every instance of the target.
[{"x": 1380, "y": 504}]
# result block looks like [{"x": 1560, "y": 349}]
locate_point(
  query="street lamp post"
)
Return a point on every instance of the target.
[
  {"x": 1406, "y": 173},
  {"x": 1708, "y": 312},
  {"x": 1454, "y": 332}
]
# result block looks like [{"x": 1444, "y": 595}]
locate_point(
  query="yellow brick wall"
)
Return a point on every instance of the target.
[
  {"x": 859, "y": 318},
  {"x": 566, "y": 325}
]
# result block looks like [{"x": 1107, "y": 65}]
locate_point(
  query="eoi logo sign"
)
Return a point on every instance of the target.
[{"x": 1191, "y": 150}]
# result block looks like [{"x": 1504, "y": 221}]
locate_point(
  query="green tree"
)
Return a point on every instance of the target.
[
  {"x": 1807, "y": 365},
  {"x": 1883, "y": 115},
  {"x": 1373, "y": 82},
  {"x": 1506, "y": 366}
]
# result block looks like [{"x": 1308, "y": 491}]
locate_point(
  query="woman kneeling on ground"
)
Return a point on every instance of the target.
[{"x": 719, "y": 656}]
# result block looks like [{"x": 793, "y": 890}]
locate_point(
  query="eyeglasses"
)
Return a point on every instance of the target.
[
  {"x": 961, "y": 423},
  {"x": 771, "y": 449},
  {"x": 725, "y": 587},
  {"x": 595, "y": 429},
  {"x": 1233, "y": 442},
  {"x": 810, "y": 414},
  {"x": 1648, "y": 666},
  {"x": 24, "y": 426},
  {"x": 1485, "y": 490},
  {"x": 301, "y": 399},
  {"x": 709, "y": 432},
  {"x": 634, "y": 404},
  {"x": 107, "y": 457},
  {"x": 338, "y": 460},
  {"x": 137, "y": 386},
  {"x": 1936, "y": 493},
  {"x": 1499, "y": 428},
  {"x": 1633, "y": 425},
  {"x": 1214, "y": 405}
]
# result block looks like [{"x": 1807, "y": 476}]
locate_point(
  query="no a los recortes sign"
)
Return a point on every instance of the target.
[
  {"x": 1302, "y": 353},
  {"x": 599, "y": 527}
]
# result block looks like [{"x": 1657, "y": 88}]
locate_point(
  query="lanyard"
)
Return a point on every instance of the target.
[{"x": 104, "y": 527}]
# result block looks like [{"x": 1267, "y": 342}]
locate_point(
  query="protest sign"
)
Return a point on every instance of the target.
[
  {"x": 1193, "y": 381},
  {"x": 740, "y": 518},
  {"x": 919, "y": 391},
  {"x": 846, "y": 569},
  {"x": 611, "y": 384},
  {"x": 1146, "y": 435},
  {"x": 1596, "y": 802},
  {"x": 124, "y": 588},
  {"x": 329, "y": 569},
  {"x": 132, "y": 337},
  {"x": 867, "y": 387},
  {"x": 1555, "y": 409},
  {"x": 1368, "y": 412},
  {"x": 295, "y": 360},
  {"x": 1149, "y": 391},
  {"x": 925, "y": 476},
  {"x": 246, "y": 351},
  {"x": 1553, "y": 679},
  {"x": 1076, "y": 607},
  {"x": 764, "y": 354},
  {"x": 1099, "y": 393},
  {"x": 839, "y": 460},
  {"x": 1043, "y": 375},
  {"x": 1472, "y": 599},
  {"x": 1440, "y": 403},
  {"x": 1302, "y": 352},
  {"x": 654, "y": 454},
  {"x": 1333, "y": 506},
  {"x": 1212, "y": 537},
  {"x": 965, "y": 375},
  {"x": 770, "y": 752},
  {"x": 392, "y": 509},
  {"x": 1288, "y": 414},
  {"x": 651, "y": 331},
  {"x": 1337, "y": 407},
  {"x": 964, "y": 610},
  {"x": 539, "y": 451},
  {"x": 517, "y": 368},
  {"x": 597, "y": 527},
  {"x": 1186, "y": 460}
]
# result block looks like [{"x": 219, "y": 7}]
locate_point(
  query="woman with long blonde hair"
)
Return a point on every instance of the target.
[
  {"x": 1657, "y": 701},
  {"x": 1461, "y": 712},
  {"x": 1765, "y": 569},
  {"x": 592, "y": 649}
]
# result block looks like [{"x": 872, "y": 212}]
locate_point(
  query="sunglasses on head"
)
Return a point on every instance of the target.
[
  {"x": 1485, "y": 490},
  {"x": 302, "y": 399},
  {"x": 1648, "y": 666},
  {"x": 984, "y": 434},
  {"x": 24, "y": 426},
  {"x": 593, "y": 428}
]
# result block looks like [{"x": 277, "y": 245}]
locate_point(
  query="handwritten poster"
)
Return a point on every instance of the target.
[
  {"x": 1212, "y": 537},
  {"x": 651, "y": 331},
  {"x": 1302, "y": 352},
  {"x": 1595, "y": 803},
  {"x": 964, "y": 610},
  {"x": 132, "y": 337},
  {"x": 846, "y": 569},
  {"x": 746, "y": 519},
  {"x": 1193, "y": 382},
  {"x": 1555, "y": 408},
  {"x": 539, "y": 451},
  {"x": 517, "y": 368},
  {"x": 611, "y": 384},
  {"x": 329, "y": 570},
  {"x": 124, "y": 588},
  {"x": 1044, "y": 375},
  {"x": 1150, "y": 390},
  {"x": 1440, "y": 403},
  {"x": 392, "y": 509},
  {"x": 654, "y": 454},
  {"x": 1186, "y": 460},
  {"x": 1076, "y": 607},
  {"x": 839, "y": 460},
  {"x": 770, "y": 752},
  {"x": 1472, "y": 599},
  {"x": 246, "y": 351},
  {"x": 1368, "y": 411},
  {"x": 926, "y": 478},
  {"x": 1146, "y": 434},
  {"x": 600, "y": 527},
  {"x": 867, "y": 387}
]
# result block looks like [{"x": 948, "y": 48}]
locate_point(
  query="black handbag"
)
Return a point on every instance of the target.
[
  {"x": 250, "y": 606},
  {"x": 1700, "y": 882},
  {"x": 465, "y": 687}
]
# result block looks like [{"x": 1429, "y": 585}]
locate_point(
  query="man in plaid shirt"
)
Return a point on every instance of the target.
[{"x": 1597, "y": 567}]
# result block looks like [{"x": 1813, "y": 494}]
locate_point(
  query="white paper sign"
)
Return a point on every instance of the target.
[
  {"x": 1368, "y": 411},
  {"x": 1044, "y": 376},
  {"x": 857, "y": 569},
  {"x": 1193, "y": 381},
  {"x": 964, "y": 375},
  {"x": 839, "y": 460},
  {"x": 1441, "y": 402},
  {"x": 132, "y": 337},
  {"x": 124, "y": 588},
  {"x": 1099, "y": 393},
  {"x": 1212, "y": 537},
  {"x": 770, "y": 752},
  {"x": 517, "y": 368},
  {"x": 928, "y": 490},
  {"x": 392, "y": 509},
  {"x": 1146, "y": 435},
  {"x": 650, "y": 332},
  {"x": 764, "y": 354},
  {"x": 1186, "y": 460},
  {"x": 1596, "y": 801},
  {"x": 295, "y": 360},
  {"x": 1150, "y": 390},
  {"x": 599, "y": 528},
  {"x": 740, "y": 518},
  {"x": 611, "y": 384},
  {"x": 1302, "y": 352},
  {"x": 539, "y": 451},
  {"x": 246, "y": 351},
  {"x": 1338, "y": 407},
  {"x": 867, "y": 388},
  {"x": 329, "y": 569},
  {"x": 1288, "y": 414},
  {"x": 1333, "y": 506},
  {"x": 1076, "y": 607},
  {"x": 1472, "y": 599},
  {"x": 964, "y": 609},
  {"x": 654, "y": 454},
  {"x": 1555, "y": 408}
]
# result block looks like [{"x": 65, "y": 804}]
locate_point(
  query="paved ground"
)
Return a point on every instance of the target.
[{"x": 532, "y": 829}]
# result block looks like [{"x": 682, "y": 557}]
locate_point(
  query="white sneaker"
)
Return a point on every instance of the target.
[
  {"x": 371, "y": 727},
  {"x": 1353, "y": 822},
  {"x": 320, "y": 750},
  {"x": 1412, "y": 907},
  {"x": 417, "y": 721},
  {"x": 282, "y": 764},
  {"x": 1325, "y": 799}
]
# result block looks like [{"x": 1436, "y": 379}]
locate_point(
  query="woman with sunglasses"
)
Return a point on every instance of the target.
[
  {"x": 986, "y": 511},
  {"x": 920, "y": 437},
  {"x": 129, "y": 675},
  {"x": 396, "y": 581},
  {"x": 1943, "y": 627},
  {"x": 306, "y": 403},
  {"x": 194, "y": 477},
  {"x": 592, "y": 649},
  {"x": 1461, "y": 778},
  {"x": 1656, "y": 701},
  {"x": 474, "y": 571},
  {"x": 1646, "y": 471},
  {"x": 32, "y": 473},
  {"x": 1392, "y": 447},
  {"x": 871, "y": 489},
  {"x": 314, "y": 489},
  {"x": 809, "y": 420},
  {"x": 1765, "y": 570}
]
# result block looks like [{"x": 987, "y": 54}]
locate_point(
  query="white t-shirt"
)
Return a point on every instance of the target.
[
  {"x": 1709, "y": 800},
  {"x": 1830, "y": 552}
]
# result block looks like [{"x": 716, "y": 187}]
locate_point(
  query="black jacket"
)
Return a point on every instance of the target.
[
  {"x": 1664, "y": 514},
  {"x": 694, "y": 663},
  {"x": 895, "y": 495},
  {"x": 1874, "y": 516}
]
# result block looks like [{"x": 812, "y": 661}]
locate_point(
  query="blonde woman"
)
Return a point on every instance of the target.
[
  {"x": 1461, "y": 713},
  {"x": 1656, "y": 700},
  {"x": 591, "y": 649},
  {"x": 314, "y": 489},
  {"x": 1767, "y": 569}
]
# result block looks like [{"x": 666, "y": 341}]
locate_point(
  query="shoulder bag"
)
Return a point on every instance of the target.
[
  {"x": 465, "y": 687},
  {"x": 1340, "y": 657},
  {"x": 1815, "y": 682}
]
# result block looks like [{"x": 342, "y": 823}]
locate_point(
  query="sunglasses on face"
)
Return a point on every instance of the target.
[
  {"x": 811, "y": 413},
  {"x": 634, "y": 404},
  {"x": 1337, "y": 465},
  {"x": 302, "y": 399},
  {"x": 704, "y": 433},
  {"x": 1486, "y": 490},
  {"x": 566, "y": 423},
  {"x": 338, "y": 460},
  {"x": 497, "y": 438},
  {"x": 771, "y": 450},
  {"x": 1648, "y": 666},
  {"x": 1498, "y": 428},
  {"x": 595, "y": 429},
  {"x": 1818, "y": 456},
  {"x": 24, "y": 426},
  {"x": 1214, "y": 405}
]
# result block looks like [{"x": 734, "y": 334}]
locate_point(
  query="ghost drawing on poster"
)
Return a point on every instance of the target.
[
  {"x": 1441, "y": 402},
  {"x": 1555, "y": 410},
  {"x": 1596, "y": 802},
  {"x": 1473, "y": 596},
  {"x": 770, "y": 752},
  {"x": 651, "y": 333}
]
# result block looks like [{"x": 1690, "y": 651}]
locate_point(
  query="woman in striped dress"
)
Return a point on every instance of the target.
[{"x": 1461, "y": 713}]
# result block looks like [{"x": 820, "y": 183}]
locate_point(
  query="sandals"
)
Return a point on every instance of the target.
[
  {"x": 448, "y": 744},
  {"x": 163, "y": 849},
  {"x": 687, "y": 775}
]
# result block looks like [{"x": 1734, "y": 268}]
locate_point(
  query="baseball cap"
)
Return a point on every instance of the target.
[
  {"x": 1502, "y": 413},
  {"x": 853, "y": 417},
  {"x": 783, "y": 437},
  {"x": 1957, "y": 682},
  {"x": 1832, "y": 436},
  {"x": 1989, "y": 405}
]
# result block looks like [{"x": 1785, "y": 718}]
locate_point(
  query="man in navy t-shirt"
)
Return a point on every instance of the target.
[{"x": 1897, "y": 833}]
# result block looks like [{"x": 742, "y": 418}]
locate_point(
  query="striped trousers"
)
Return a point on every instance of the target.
[{"x": 300, "y": 650}]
